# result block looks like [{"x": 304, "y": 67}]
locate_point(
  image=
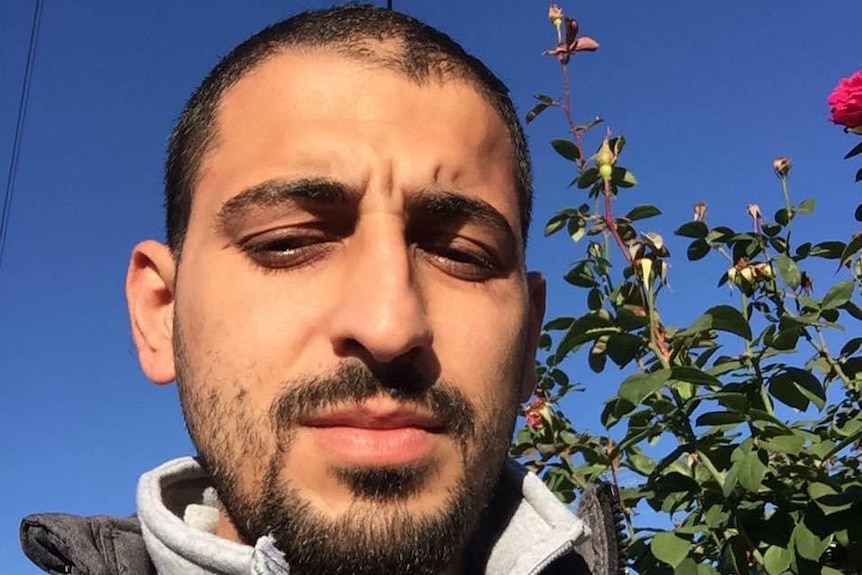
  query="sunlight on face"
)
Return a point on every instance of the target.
[{"x": 352, "y": 320}]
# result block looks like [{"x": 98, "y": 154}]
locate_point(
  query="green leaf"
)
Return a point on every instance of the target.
[
  {"x": 858, "y": 214},
  {"x": 838, "y": 295},
  {"x": 535, "y": 111},
  {"x": 790, "y": 444},
  {"x": 694, "y": 375},
  {"x": 782, "y": 216},
  {"x": 577, "y": 228},
  {"x": 669, "y": 548},
  {"x": 616, "y": 144},
  {"x": 784, "y": 389},
  {"x": 827, "y": 570},
  {"x": 556, "y": 223},
  {"x": 697, "y": 230},
  {"x": 807, "y": 544},
  {"x": 638, "y": 386},
  {"x": 567, "y": 149},
  {"x": 594, "y": 299},
  {"x": 581, "y": 276},
  {"x": 559, "y": 323},
  {"x": 789, "y": 271},
  {"x": 697, "y": 250},
  {"x": 808, "y": 385},
  {"x": 776, "y": 560},
  {"x": 687, "y": 567},
  {"x": 857, "y": 149},
  {"x": 827, "y": 498},
  {"x": 728, "y": 318},
  {"x": 752, "y": 470},
  {"x": 586, "y": 328},
  {"x": 828, "y": 250},
  {"x": 598, "y": 357},
  {"x": 779, "y": 244},
  {"x": 623, "y": 178},
  {"x": 771, "y": 230},
  {"x": 623, "y": 348},
  {"x": 859, "y": 175},
  {"x": 720, "y": 418},
  {"x": 643, "y": 212},
  {"x": 854, "y": 246},
  {"x": 851, "y": 346},
  {"x": 805, "y": 207},
  {"x": 588, "y": 178}
]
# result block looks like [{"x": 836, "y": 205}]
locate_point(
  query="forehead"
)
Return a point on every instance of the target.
[{"x": 322, "y": 112}]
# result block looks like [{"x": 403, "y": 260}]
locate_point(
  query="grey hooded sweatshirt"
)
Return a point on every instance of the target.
[{"x": 525, "y": 530}]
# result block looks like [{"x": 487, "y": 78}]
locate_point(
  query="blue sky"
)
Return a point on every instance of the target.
[{"x": 707, "y": 93}]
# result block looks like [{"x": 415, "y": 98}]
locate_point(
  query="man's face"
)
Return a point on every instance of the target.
[{"x": 353, "y": 326}]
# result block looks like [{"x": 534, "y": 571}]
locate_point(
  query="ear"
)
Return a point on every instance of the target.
[
  {"x": 536, "y": 289},
  {"x": 150, "y": 297}
]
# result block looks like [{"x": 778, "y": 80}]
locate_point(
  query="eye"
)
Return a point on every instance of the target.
[
  {"x": 462, "y": 258},
  {"x": 284, "y": 250}
]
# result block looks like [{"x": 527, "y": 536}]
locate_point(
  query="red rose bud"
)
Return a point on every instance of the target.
[
  {"x": 535, "y": 421},
  {"x": 845, "y": 103}
]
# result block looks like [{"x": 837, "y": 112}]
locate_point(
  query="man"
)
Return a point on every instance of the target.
[{"x": 344, "y": 305}]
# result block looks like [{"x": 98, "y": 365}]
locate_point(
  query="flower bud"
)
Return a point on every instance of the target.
[
  {"x": 754, "y": 212},
  {"x": 645, "y": 269},
  {"x": 700, "y": 212},
  {"x": 605, "y": 156},
  {"x": 555, "y": 15},
  {"x": 782, "y": 166}
]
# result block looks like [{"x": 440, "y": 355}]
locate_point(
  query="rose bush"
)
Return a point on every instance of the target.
[{"x": 701, "y": 415}]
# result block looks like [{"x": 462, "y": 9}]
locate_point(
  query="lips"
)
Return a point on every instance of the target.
[
  {"x": 367, "y": 417},
  {"x": 375, "y": 435}
]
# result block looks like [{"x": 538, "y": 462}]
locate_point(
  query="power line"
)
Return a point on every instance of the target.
[{"x": 19, "y": 128}]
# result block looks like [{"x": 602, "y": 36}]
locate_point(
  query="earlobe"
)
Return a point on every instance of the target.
[
  {"x": 150, "y": 297},
  {"x": 536, "y": 288}
]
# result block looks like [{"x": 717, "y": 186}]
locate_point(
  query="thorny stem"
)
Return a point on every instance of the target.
[
  {"x": 566, "y": 105},
  {"x": 611, "y": 223},
  {"x": 823, "y": 351}
]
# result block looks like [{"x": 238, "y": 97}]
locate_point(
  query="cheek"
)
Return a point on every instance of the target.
[
  {"x": 250, "y": 326},
  {"x": 480, "y": 342}
]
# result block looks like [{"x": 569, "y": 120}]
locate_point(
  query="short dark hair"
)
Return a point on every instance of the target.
[{"x": 420, "y": 52}]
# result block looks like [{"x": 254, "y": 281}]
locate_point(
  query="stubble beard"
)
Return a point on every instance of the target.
[{"x": 377, "y": 534}]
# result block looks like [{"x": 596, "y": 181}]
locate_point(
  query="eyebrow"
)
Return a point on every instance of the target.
[
  {"x": 274, "y": 193},
  {"x": 459, "y": 207},
  {"x": 327, "y": 192}
]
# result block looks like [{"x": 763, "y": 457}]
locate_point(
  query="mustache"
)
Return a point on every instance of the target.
[{"x": 356, "y": 383}]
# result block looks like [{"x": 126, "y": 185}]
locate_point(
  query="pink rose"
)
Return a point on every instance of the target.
[{"x": 845, "y": 102}]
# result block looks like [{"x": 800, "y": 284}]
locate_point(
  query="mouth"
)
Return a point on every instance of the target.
[{"x": 375, "y": 434}]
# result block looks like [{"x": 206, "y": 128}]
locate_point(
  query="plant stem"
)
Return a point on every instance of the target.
[
  {"x": 570, "y": 119},
  {"x": 707, "y": 462},
  {"x": 611, "y": 223}
]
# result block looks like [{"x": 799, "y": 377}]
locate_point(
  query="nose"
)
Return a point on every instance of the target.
[{"x": 381, "y": 314}]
